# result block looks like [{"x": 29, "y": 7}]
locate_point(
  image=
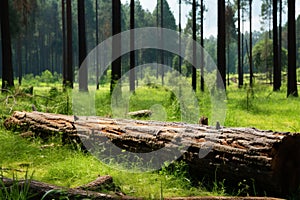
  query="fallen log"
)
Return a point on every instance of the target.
[
  {"x": 140, "y": 113},
  {"x": 222, "y": 198},
  {"x": 102, "y": 183},
  {"x": 39, "y": 190},
  {"x": 268, "y": 160}
]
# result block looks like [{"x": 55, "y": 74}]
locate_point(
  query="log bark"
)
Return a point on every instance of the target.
[
  {"x": 222, "y": 198},
  {"x": 40, "y": 189},
  {"x": 140, "y": 113},
  {"x": 268, "y": 160},
  {"x": 100, "y": 184}
]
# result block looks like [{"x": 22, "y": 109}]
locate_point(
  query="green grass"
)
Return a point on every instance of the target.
[
  {"x": 67, "y": 166},
  {"x": 263, "y": 109}
]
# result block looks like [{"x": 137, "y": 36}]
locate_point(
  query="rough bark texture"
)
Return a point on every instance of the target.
[
  {"x": 269, "y": 159},
  {"x": 39, "y": 189},
  {"x": 222, "y": 198},
  {"x": 102, "y": 182}
]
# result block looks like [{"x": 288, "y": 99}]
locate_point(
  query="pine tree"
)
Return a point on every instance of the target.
[
  {"x": 292, "y": 70},
  {"x": 83, "y": 76},
  {"x": 221, "y": 76},
  {"x": 7, "y": 68}
]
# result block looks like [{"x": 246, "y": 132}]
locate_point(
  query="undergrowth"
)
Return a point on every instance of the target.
[{"x": 259, "y": 107}]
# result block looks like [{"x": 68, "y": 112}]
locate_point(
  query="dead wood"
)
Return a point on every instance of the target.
[
  {"x": 40, "y": 189},
  {"x": 269, "y": 160}
]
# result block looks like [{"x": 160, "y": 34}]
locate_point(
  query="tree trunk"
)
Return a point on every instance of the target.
[
  {"x": 194, "y": 65},
  {"x": 7, "y": 68},
  {"x": 280, "y": 40},
  {"x": 240, "y": 71},
  {"x": 202, "y": 48},
  {"x": 221, "y": 74},
  {"x": 162, "y": 54},
  {"x": 292, "y": 69},
  {"x": 269, "y": 160},
  {"x": 39, "y": 189},
  {"x": 180, "y": 40},
  {"x": 64, "y": 56},
  {"x": 19, "y": 53},
  {"x": 132, "y": 52},
  {"x": 69, "y": 56},
  {"x": 83, "y": 71},
  {"x": 97, "y": 43},
  {"x": 87, "y": 192},
  {"x": 277, "y": 72},
  {"x": 116, "y": 42},
  {"x": 250, "y": 45}
]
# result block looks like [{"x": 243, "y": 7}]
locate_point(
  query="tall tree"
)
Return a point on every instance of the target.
[
  {"x": 280, "y": 39},
  {"x": 162, "y": 55},
  {"x": 202, "y": 46},
  {"x": 97, "y": 42},
  {"x": 180, "y": 32},
  {"x": 194, "y": 71},
  {"x": 292, "y": 69},
  {"x": 132, "y": 52},
  {"x": 276, "y": 71},
  {"x": 23, "y": 9},
  {"x": 230, "y": 34},
  {"x": 240, "y": 69},
  {"x": 7, "y": 68},
  {"x": 221, "y": 76},
  {"x": 250, "y": 44},
  {"x": 116, "y": 42},
  {"x": 64, "y": 59},
  {"x": 68, "y": 82},
  {"x": 83, "y": 76}
]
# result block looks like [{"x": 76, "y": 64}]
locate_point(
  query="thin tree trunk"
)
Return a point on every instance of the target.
[
  {"x": 280, "y": 41},
  {"x": 228, "y": 59},
  {"x": 221, "y": 75},
  {"x": 83, "y": 72},
  {"x": 116, "y": 42},
  {"x": 240, "y": 71},
  {"x": 194, "y": 65},
  {"x": 250, "y": 45},
  {"x": 243, "y": 45},
  {"x": 97, "y": 43},
  {"x": 276, "y": 71},
  {"x": 132, "y": 52},
  {"x": 292, "y": 70},
  {"x": 180, "y": 41},
  {"x": 64, "y": 63},
  {"x": 7, "y": 68},
  {"x": 157, "y": 51},
  {"x": 202, "y": 48},
  {"x": 162, "y": 55},
  {"x": 19, "y": 52},
  {"x": 69, "y": 55}
]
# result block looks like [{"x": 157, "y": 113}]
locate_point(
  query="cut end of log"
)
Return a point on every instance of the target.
[{"x": 286, "y": 163}]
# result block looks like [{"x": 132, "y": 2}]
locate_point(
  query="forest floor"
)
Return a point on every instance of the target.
[{"x": 68, "y": 166}]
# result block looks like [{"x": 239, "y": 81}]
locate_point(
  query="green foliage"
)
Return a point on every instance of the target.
[
  {"x": 263, "y": 56},
  {"x": 16, "y": 191},
  {"x": 46, "y": 77},
  {"x": 168, "y": 18},
  {"x": 177, "y": 172}
]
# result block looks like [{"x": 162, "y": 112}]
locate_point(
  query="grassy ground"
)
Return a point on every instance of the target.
[{"x": 66, "y": 166}]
